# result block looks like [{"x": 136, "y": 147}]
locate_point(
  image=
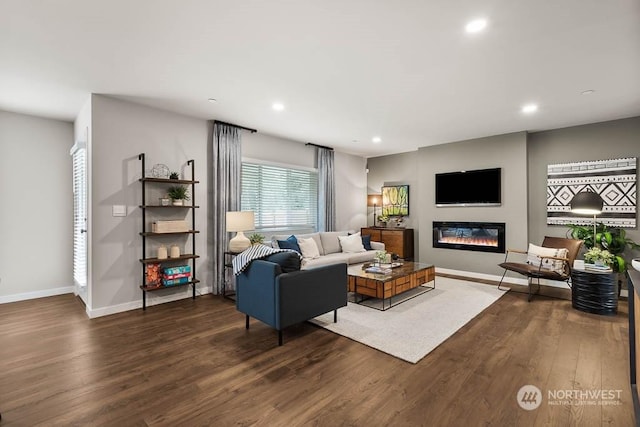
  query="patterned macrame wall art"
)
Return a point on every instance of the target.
[{"x": 614, "y": 180}]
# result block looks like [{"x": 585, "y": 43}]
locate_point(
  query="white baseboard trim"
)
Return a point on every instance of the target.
[
  {"x": 36, "y": 294},
  {"x": 152, "y": 299}
]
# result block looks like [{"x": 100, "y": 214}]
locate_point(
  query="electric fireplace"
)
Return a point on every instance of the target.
[{"x": 470, "y": 236}]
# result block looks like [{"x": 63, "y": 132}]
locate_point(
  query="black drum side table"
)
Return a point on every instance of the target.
[{"x": 594, "y": 292}]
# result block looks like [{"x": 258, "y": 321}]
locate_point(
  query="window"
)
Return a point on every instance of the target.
[
  {"x": 79, "y": 159},
  {"x": 282, "y": 198}
]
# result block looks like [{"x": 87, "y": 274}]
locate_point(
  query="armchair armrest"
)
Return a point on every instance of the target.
[
  {"x": 302, "y": 295},
  {"x": 255, "y": 291}
]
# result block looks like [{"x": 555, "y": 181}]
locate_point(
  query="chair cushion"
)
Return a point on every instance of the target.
[
  {"x": 290, "y": 243},
  {"x": 535, "y": 252},
  {"x": 288, "y": 261},
  {"x": 308, "y": 247}
]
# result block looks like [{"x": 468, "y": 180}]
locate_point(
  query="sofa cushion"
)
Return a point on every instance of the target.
[
  {"x": 308, "y": 247},
  {"x": 290, "y": 243},
  {"x": 330, "y": 241},
  {"x": 288, "y": 261},
  {"x": 315, "y": 236},
  {"x": 337, "y": 258},
  {"x": 352, "y": 243}
]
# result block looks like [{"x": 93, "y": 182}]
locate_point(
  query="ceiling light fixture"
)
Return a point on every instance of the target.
[
  {"x": 376, "y": 140},
  {"x": 277, "y": 106},
  {"x": 529, "y": 108},
  {"x": 476, "y": 26},
  {"x": 587, "y": 92},
  {"x": 212, "y": 100}
]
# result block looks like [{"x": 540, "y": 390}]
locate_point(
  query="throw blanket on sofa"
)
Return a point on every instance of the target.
[{"x": 242, "y": 261}]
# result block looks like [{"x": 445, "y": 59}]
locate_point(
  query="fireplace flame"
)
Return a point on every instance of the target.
[{"x": 474, "y": 241}]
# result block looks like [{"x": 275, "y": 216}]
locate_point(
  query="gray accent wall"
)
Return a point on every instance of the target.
[
  {"x": 36, "y": 217},
  {"x": 597, "y": 141},
  {"x": 503, "y": 151}
]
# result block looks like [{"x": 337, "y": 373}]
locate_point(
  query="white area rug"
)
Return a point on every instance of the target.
[{"x": 412, "y": 329}]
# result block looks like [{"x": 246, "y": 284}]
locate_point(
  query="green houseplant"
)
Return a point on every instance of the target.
[
  {"x": 612, "y": 239},
  {"x": 256, "y": 239},
  {"x": 174, "y": 175},
  {"x": 178, "y": 193}
]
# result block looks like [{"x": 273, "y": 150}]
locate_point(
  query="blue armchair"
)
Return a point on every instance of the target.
[{"x": 280, "y": 299}]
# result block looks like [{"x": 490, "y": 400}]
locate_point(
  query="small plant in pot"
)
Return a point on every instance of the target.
[
  {"x": 174, "y": 175},
  {"x": 256, "y": 239},
  {"x": 178, "y": 194}
]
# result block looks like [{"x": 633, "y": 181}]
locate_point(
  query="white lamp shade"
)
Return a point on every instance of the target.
[{"x": 240, "y": 221}]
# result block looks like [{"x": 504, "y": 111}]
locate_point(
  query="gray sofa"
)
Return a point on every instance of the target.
[{"x": 330, "y": 249}]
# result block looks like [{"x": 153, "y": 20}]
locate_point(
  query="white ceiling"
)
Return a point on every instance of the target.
[{"x": 345, "y": 70}]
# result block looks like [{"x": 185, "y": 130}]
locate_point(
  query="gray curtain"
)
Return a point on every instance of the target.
[
  {"x": 227, "y": 168},
  {"x": 326, "y": 191}
]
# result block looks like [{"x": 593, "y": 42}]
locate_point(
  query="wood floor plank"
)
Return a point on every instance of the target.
[{"x": 193, "y": 363}]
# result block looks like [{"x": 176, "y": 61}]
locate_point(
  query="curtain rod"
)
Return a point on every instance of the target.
[
  {"x": 235, "y": 126},
  {"x": 319, "y": 146}
]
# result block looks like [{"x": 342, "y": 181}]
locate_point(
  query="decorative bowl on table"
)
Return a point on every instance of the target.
[{"x": 636, "y": 263}]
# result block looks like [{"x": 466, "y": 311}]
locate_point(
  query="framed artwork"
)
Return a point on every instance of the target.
[
  {"x": 614, "y": 180},
  {"x": 395, "y": 200}
]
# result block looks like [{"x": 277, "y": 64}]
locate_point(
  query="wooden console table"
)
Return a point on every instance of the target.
[{"x": 396, "y": 240}]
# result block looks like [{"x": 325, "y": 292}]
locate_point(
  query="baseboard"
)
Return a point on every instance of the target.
[
  {"x": 36, "y": 294},
  {"x": 154, "y": 298},
  {"x": 548, "y": 288}
]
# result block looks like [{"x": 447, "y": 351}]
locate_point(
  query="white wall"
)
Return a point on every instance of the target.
[
  {"x": 120, "y": 131},
  {"x": 36, "y": 217}
]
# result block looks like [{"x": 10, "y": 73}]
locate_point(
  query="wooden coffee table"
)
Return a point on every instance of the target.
[{"x": 385, "y": 286}]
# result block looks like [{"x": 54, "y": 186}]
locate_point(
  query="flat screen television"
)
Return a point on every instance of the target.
[{"x": 469, "y": 188}]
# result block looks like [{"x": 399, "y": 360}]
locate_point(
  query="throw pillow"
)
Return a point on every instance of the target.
[
  {"x": 366, "y": 242},
  {"x": 352, "y": 243},
  {"x": 290, "y": 243},
  {"x": 535, "y": 252},
  {"x": 308, "y": 248},
  {"x": 288, "y": 261}
]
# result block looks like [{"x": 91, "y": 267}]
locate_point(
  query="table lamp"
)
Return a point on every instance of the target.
[
  {"x": 588, "y": 203},
  {"x": 239, "y": 221},
  {"x": 372, "y": 200}
]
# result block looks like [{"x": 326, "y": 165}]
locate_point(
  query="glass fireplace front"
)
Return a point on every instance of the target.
[{"x": 470, "y": 236}]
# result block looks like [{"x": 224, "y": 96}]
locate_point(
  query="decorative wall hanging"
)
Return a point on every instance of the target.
[
  {"x": 614, "y": 180},
  {"x": 395, "y": 200}
]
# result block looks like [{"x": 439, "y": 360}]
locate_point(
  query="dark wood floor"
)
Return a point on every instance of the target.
[{"x": 192, "y": 363}]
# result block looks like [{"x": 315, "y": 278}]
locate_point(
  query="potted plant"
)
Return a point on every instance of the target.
[
  {"x": 174, "y": 175},
  {"x": 383, "y": 220},
  {"x": 256, "y": 239},
  {"x": 599, "y": 257},
  {"x": 614, "y": 240},
  {"x": 178, "y": 194}
]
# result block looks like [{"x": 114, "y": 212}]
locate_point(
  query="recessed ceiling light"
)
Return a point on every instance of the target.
[
  {"x": 587, "y": 92},
  {"x": 355, "y": 141},
  {"x": 476, "y": 26},
  {"x": 376, "y": 140},
  {"x": 277, "y": 106},
  {"x": 529, "y": 108},
  {"x": 212, "y": 100}
]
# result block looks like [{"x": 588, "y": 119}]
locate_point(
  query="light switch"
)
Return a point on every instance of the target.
[{"x": 119, "y": 210}]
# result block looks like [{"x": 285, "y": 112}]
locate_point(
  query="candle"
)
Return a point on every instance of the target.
[
  {"x": 162, "y": 252},
  {"x": 175, "y": 251}
]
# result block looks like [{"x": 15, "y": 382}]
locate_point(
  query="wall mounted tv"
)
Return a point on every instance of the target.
[{"x": 469, "y": 188}]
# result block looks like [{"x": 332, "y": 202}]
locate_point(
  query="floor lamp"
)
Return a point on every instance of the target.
[
  {"x": 588, "y": 203},
  {"x": 372, "y": 200}
]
